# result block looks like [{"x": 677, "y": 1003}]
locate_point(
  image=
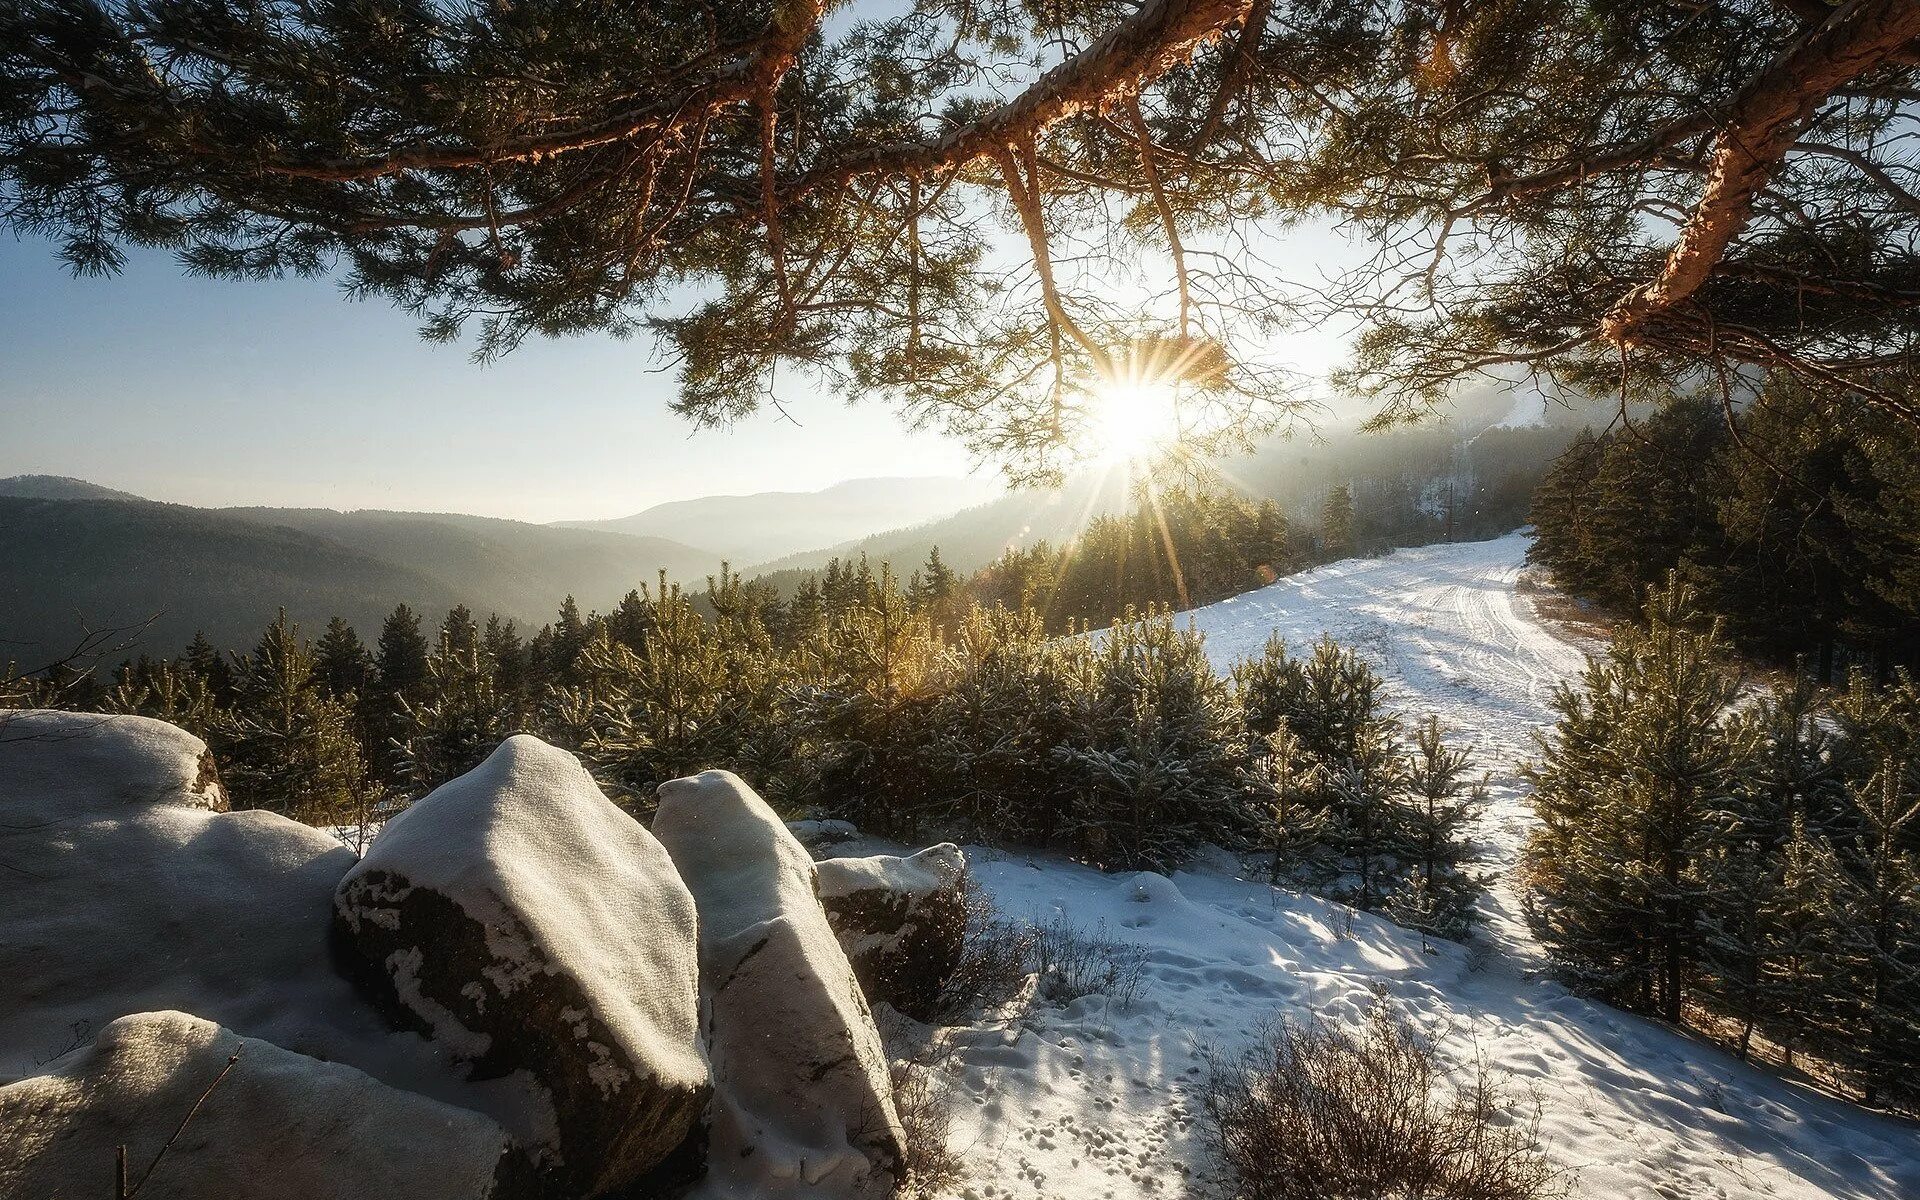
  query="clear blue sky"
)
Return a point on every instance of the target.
[{"x": 214, "y": 392}]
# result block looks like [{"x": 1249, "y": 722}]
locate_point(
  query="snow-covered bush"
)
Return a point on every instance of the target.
[{"x": 1318, "y": 1111}]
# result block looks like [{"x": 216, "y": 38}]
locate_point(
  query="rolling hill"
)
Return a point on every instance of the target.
[
  {"x": 59, "y": 487},
  {"x": 767, "y": 525},
  {"x": 69, "y": 564},
  {"x": 973, "y": 537}
]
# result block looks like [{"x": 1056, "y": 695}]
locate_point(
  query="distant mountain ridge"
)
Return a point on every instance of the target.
[
  {"x": 67, "y": 564},
  {"x": 59, "y": 487},
  {"x": 973, "y": 537},
  {"x": 768, "y": 525}
]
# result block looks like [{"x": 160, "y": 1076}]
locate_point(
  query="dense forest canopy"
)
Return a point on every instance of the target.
[{"x": 1609, "y": 189}]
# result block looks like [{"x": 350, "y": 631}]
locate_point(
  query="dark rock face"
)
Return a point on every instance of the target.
[
  {"x": 247, "y": 1121},
  {"x": 901, "y": 921},
  {"x": 803, "y": 1100},
  {"x": 543, "y": 938}
]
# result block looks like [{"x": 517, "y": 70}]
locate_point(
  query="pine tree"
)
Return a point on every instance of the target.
[
  {"x": 1151, "y": 754},
  {"x": 631, "y": 619},
  {"x": 571, "y": 632},
  {"x": 1786, "y": 787},
  {"x": 207, "y": 663},
  {"x": 285, "y": 745},
  {"x": 342, "y": 662},
  {"x": 500, "y": 644},
  {"x": 1625, "y": 792},
  {"x": 1442, "y": 803},
  {"x": 458, "y": 630},
  {"x": 1367, "y": 823},
  {"x": 400, "y": 671},
  {"x": 1336, "y": 524},
  {"x": 1291, "y": 785},
  {"x": 456, "y": 718},
  {"x": 936, "y": 589},
  {"x": 1801, "y": 1002},
  {"x": 1880, "y": 938},
  {"x": 166, "y": 692}
]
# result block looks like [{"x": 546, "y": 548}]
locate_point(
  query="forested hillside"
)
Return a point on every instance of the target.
[
  {"x": 67, "y": 565},
  {"x": 1796, "y": 518}
]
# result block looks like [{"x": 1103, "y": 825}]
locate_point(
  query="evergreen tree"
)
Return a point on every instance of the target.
[
  {"x": 1366, "y": 824},
  {"x": 1292, "y": 786},
  {"x": 1879, "y": 941},
  {"x": 937, "y": 589},
  {"x": 399, "y": 674},
  {"x": 500, "y": 645},
  {"x": 205, "y": 662},
  {"x": 167, "y": 692},
  {"x": 1625, "y": 792},
  {"x": 456, "y": 718},
  {"x": 342, "y": 662},
  {"x": 1152, "y": 767},
  {"x": 1745, "y": 921},
  {"x": 285, "y": 744},
  {"x": 571, "y": 632},
  {"x": 1437, "y": 897},
  {"x": 458, "y": 630},
  {"x": 1336, "y": 524}
]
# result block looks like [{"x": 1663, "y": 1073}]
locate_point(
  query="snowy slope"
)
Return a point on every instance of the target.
[{"x": 1084, "y": 1102}]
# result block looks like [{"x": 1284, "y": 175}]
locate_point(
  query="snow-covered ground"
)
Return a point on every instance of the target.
[{"x": 1088, "y": 1102}]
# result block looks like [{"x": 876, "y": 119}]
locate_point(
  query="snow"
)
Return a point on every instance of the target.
[
  {"x": 901, "y": 920},
  {"x": 525, "y": 919},
  {"x": 1093, "y": 1100},
  {"x": 124, "y": 893},
  {"x": 914, "y": 875},
  {"x": 802, "y": 1091},
  {"x": 271, "y": 1123}
]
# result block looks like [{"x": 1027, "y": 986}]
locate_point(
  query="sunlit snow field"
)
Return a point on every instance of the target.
[{"x": 1088, "y": 1101}]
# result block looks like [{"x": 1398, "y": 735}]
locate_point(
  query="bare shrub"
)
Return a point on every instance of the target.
[
  {"x": 1317, "y": 1112},
  {"x": 995, "y": 958},
  {"x": 926, "y": 1117},
  {"x": 1075, "y": 962}
]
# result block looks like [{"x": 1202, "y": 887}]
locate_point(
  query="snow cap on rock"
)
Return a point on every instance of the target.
[
  {"x": 521, "y": 919},
  {"x": 803, "y": 1097},
  {"x": 902, "y": 922},
  {"x": 107, "y": 759},
  {"x": 269, "y": 1123}
]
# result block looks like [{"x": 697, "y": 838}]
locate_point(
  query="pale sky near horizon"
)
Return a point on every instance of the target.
[
  {"x": 214, "y": 392},
  {"x": 282, "y": 393}
]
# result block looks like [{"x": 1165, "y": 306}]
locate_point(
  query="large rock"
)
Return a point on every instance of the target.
[
  {"x": 124, "y": 889},
  {"x": 518, "y": 917},
  {"x": 803, "y": 1101},
  {"x": 269, "y": 1124},
  {"x": 902, "y": 922}
]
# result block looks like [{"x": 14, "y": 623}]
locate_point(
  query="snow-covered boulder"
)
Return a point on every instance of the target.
[
  {"x": 803, "y": 1100},
  {"x": 103, "y": 763},
  {"x": 519, "y": 918},
  {"x": 818, "y": 834},
  {"x": 123, "y": 889},
  {"x": 902, "y": 922},
  {"x": 265, "y": 1124}
]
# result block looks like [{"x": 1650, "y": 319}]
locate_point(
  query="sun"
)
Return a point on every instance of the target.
[{"x": 1132, "y": 419}]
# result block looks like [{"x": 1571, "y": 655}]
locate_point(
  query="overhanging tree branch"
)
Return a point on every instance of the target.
[{"x": 1859, "y": 38}]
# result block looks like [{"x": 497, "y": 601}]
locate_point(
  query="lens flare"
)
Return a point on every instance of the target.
[{"x": 1130, "y": 420}]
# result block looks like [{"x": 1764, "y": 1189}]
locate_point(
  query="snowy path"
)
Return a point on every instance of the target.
[
  {"x": 1446, "y": 629},
  {"x": 1084, "y": 1102}
]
